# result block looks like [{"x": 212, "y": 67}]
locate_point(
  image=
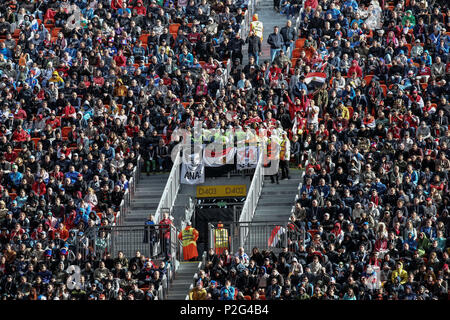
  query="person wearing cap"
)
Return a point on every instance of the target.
[
  {"x": 198, "y": 292},
  {"x": 409, "y": 17}
]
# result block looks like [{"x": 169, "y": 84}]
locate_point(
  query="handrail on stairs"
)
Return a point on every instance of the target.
[{"x": 171, "y": 189}]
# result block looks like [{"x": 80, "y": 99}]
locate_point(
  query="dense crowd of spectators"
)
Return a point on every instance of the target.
[
  {"x": 371, "y": 221},
  {"x": 79, "y": 102}
]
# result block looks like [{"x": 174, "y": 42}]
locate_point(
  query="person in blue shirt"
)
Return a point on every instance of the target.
[
  {"x": 15, "y": 178},
  {"x": 426, "y": 58},
  {"x": 334, "y": 11},
  {"x": 379, "y": 186},
  {"x": 109, "y": 152},
  {"x": 412, "y": 174},
  {"x": 429, "y": 230},
  {"x": 5, "y": 51},
  {"x": 412, "y": 243},
  {"x": 307, "y": 187},
  {"x": 227, "y": 292},
  {"x": 186, "y": 58},
  {"x": 273, "y": 291},
  {"x": 72, "y": 174},
  {"x": 324, "y": 189},
  {"x": 350, "y": 3},
  {"x": 358, "y": 20}
]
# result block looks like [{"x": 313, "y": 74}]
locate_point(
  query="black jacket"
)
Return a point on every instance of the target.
[
  {"x": 288, "y": 34},
  {"x": 275, "y": 41},
  {"x": 254, "y": 44}
]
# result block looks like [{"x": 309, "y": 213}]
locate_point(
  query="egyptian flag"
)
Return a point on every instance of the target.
[
  {"x": 275, "y": 236},
  {"x": 315, "y": 79}
]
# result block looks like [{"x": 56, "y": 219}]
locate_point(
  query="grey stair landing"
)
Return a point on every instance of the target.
[
  {"x": 276, "y": 200},
  {"x": 179, "y": 287},
  {"x": 274, "y": 205},
  {"x": 146, "y": 198}
]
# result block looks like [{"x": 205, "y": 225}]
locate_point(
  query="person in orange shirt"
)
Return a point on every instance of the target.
[{"x": 189, "y": 236}]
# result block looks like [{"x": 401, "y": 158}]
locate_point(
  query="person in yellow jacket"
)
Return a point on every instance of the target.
[
  {"x": 220, "y": 238},
  {"x": 400, "y": 272},
  {"x": 198, "y": 292},
  {"x": 189, "y": 236},
  {"x": 343, "y": 110},
  {"x": 257, "y": 27}
]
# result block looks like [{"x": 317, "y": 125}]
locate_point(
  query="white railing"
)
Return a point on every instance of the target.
[
  {"x": 171, "y": 189},
  {"x": 254, "y": 193},
  {"x": 125, "y": 204}
]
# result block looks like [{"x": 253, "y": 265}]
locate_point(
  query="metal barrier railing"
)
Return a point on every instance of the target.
[
  {"x": 151, "y": 241},
  {"x": 171, "y": 189},
  {"x": 255, "y": 190},
  {"x": 263, "y": 235},
  {"x": 125, "y": 204},
  {"x": 298, "y": 191}
]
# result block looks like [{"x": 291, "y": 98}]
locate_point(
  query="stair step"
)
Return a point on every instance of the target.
[
  {"x": 147, "y": 193},
  {"x": 273, "y": 210},
  {"x": 271, "y": 204},
  {"x": 139, "y": 200},
  {"x": 279, "y": 199},
  {"x": 278, "y": 192},
  {"x": 144, "y": 205}
]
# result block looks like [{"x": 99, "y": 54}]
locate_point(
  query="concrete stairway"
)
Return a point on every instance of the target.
[
  {"x": 276, "y": 200},
  {"x": 274, "y": 206},
  {"x": 184, "y": 279},
  {"x": 146, "y": 198}
]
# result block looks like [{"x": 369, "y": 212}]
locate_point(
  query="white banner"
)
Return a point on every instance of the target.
[
  {"x": 216, "y": 156},
  {"x": 192, "y": 173},
  {"x": 246, "y": 157}
]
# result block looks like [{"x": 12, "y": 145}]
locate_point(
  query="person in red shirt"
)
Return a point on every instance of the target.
[
  {"x": 354, "y": 68},
  {"x": 274, "y": 72},
  {"x": 53, "y": 121},
  {"x": 120, "y": 59},
  {"x": 20, "y": 114},
  {"x": 20, "y": 135},
  {"x": 117, "y": 4},
  {"x": 39, "y": 187},
  {"x": 69, "y": 114},
  {"x": 140, "y": 8},
  {"x": 62, "y": 230},
  {"x": 57, "y": 174},
  {"x": 311, "y": 3},
  {"x": 165, "y": 224},
  {"x": 270, "y": 121},
  {"x": 10, "y": 155},
  {"x": 132, "y": 129},
  {"x": 300, "y": 105}
]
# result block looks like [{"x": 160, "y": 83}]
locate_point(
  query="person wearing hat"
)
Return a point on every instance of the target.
[
  {"x": 410, "y": 18},
  {"x": 198, "y": 292}
]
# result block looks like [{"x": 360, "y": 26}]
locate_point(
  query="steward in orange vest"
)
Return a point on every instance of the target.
[{"x": 189, "y": 237}]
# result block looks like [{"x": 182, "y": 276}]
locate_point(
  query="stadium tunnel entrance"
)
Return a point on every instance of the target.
[{"x": 213, "y": 210}]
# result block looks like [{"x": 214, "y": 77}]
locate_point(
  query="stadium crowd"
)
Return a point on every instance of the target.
[
  {"x": 371, "y": 221},
  {"x": 80, "y": 102}
]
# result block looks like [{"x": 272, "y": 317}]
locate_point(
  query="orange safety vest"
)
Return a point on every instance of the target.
[{"x": 189, "y": 237}]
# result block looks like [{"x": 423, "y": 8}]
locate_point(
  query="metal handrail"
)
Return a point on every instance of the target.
[
  {"x": 125, "y": 204},
  {"x": 254, "y": 193},
  {"x": 171, "y": 189}
]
